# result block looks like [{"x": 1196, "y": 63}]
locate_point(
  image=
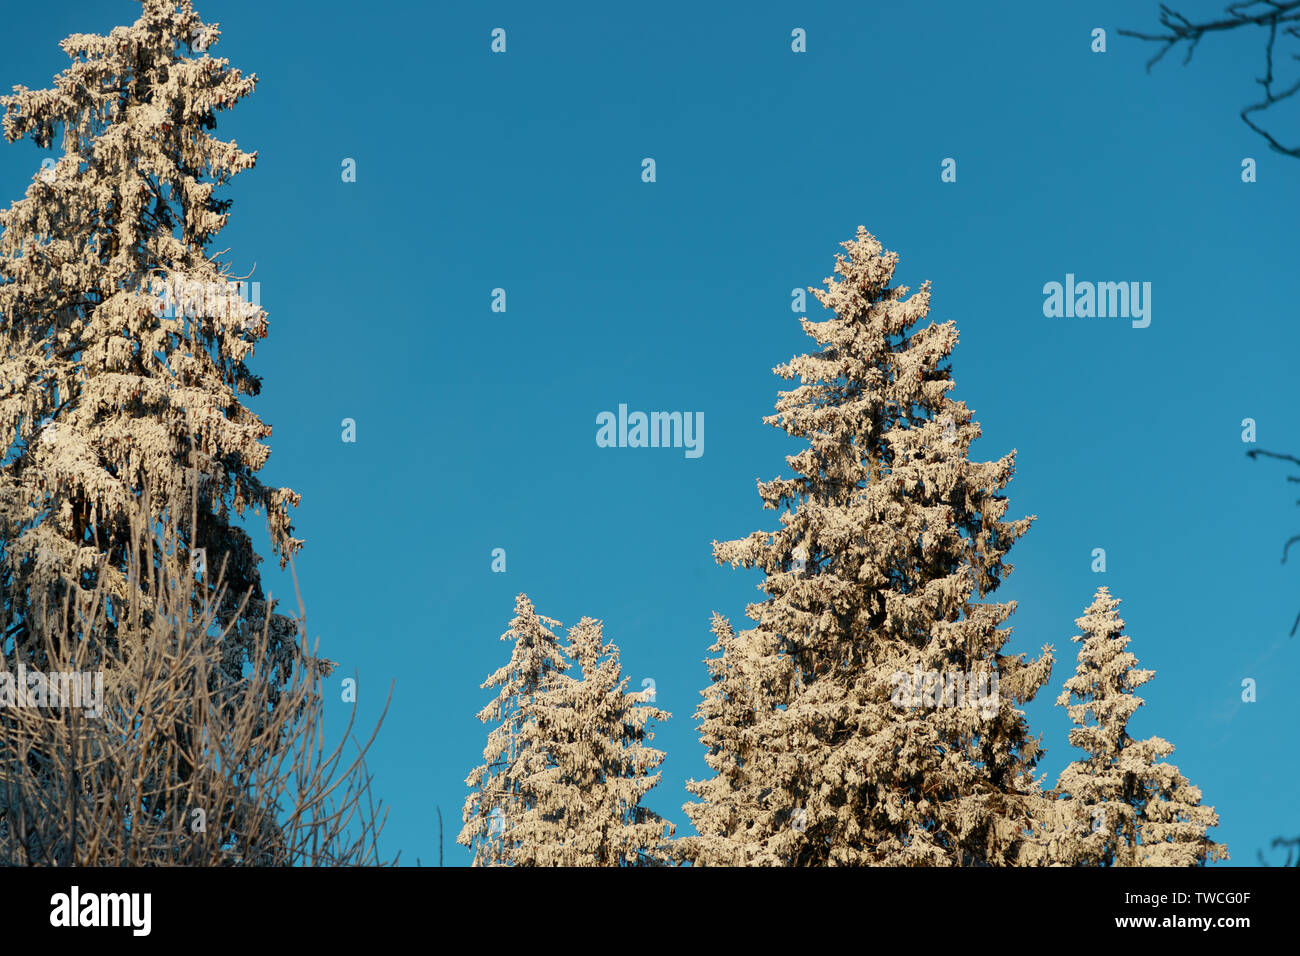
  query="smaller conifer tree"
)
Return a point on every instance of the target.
[
  {"x": 567, "y": 764},
  {"x": 590, "y": 766},
  {"x": 496, "y": 805},
  {"x": 1123, "y": 805}
]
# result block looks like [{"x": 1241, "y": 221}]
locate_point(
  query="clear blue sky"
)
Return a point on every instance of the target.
[{"x": 476, "y": 430}]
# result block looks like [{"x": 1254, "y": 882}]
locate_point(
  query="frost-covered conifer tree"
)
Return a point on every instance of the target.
[
  {"x": 124, "y": 342},
  {"x": 584, "y": 800},
  {"x": 1123, "y": 805},
  {"x": 889, "y": 535},
  {"x": 496, "y": 805},
  {"x": 744, "y": 675}
]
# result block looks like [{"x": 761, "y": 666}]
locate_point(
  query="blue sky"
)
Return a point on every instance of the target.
[{"x": 476, "y": 430}]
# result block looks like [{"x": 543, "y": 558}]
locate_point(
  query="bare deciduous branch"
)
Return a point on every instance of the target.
[
  {"x": 1277, "y": 16},
  {"x": 177, "y": 765}
]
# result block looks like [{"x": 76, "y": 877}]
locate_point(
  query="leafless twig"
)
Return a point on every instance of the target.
[
  {"x": 175, "y": 764},
  {"x": 1277, "y": 17}
]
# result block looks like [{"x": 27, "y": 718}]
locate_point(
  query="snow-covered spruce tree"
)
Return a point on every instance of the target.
[
  {"x": 889, "y": 532},
  {"x": 745, "y": 678},
  {"x": 590, "y": 767},
  {"x": 1122, "y": 805},
  {"x": 108, "y": 387},
  {"x": 496, "y": 804}
]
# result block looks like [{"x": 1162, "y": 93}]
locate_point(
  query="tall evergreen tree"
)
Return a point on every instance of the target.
[
  {"x": 496, "y": 804},
  {"x": 888, "y": 535},
  {"x": 1123, "y": 805},
  {"x": 591, "y": 766},
  {"x": 105, "y": 390}
]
